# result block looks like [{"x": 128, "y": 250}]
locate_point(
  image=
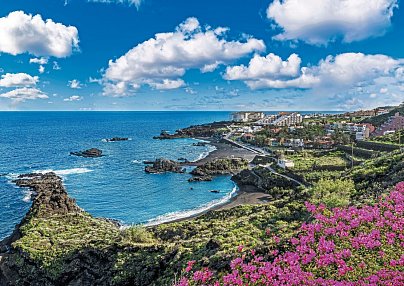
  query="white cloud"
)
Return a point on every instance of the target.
[
  {"x": 75, "y": 84},
  {"x": 168, "y": 84},
  {"x": 18, "y": 80},
  {"x": 190, "y": 90},
  {"x": 270, "y": 67},
  {"x": 322, "y": 21},
  {"x": 342, "y": 71},
  {"x": 23, "y": 94},
  {"x": 20, "y": 33},
  {"x": 73, "y": 98},
  {"x": 162, "y": 61},
  {"x": 137, "y": 3},
  {"x": 384, "y": 90},
  {"x": 41, "y": 69},
  {"x": 39, "y": 61},
  {"x": 56, "y": 66}
]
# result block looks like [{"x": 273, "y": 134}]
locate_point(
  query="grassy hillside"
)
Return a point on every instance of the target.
[{"x": 72, "y": 247}]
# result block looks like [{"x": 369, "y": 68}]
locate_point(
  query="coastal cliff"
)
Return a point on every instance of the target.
[{"x": 57, "y": 243}]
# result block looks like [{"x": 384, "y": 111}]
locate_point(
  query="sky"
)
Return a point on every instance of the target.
[{"x": 268, "y": 55}]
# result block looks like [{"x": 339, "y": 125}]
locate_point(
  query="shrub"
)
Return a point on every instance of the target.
[
  {"x": 343, "y": 246},
  {"x": 332, "y": 193}
]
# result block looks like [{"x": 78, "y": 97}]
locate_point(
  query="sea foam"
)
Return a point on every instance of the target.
[
  {"x": 66, "y": 172},
  {"x": 173, "y": 216}
]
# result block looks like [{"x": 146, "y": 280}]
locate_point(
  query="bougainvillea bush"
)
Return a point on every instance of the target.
[{"x": 343, "y": 246}]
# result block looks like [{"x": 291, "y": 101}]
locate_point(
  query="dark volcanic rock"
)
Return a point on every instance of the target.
[
  {"x": 200, "y": 179},
  {"x": 164, "y": 165},
  {"x": 116, "y": 139},
  {"x": 200, "y": 144},
  {"x": 197, "y": 131},
  {"x": 90, "y": 153},
  {"x": 222, "y": 166},
  {"x": 50, "y": 196}
]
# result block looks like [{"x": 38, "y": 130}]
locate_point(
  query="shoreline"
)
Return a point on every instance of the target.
[{"x": 244, "y": 195}]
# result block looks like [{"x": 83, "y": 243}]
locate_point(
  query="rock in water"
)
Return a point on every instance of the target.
[
  {"x": 222, "y": 166},
  {"x": 164, "y": 165},
  {"x": 116, "y": 139},
  {"x": 200, "y": 179},
  {"x": 90, "y": 153}
]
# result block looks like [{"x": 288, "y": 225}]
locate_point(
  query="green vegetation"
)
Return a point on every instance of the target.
[
  {"x": 74, "y": 244},
  {"x": 332, "y": 193},
  {"x": 394, "y": 138},
  {"x": 312, "y": 166},
  {"x": 380, "y": 119}
]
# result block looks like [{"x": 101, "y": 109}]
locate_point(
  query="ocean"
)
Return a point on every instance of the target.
[{"x": 115, "y": 185}]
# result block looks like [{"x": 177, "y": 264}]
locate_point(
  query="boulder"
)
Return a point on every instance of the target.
[
  {"x": 116, "y": 139},
  {"x": 164, "y": 165},
  {"x": 200, "y": 179},
  {"x": 90, "y": 153}
]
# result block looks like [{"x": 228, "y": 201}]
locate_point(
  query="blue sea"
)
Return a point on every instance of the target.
[{"x": 113, "y": 186}]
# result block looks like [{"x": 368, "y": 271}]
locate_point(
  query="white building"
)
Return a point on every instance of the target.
[
  {"x": 247, "y": 116},
  {"x": 288, "y": 119},
  {"x": 284, "y": 163}
]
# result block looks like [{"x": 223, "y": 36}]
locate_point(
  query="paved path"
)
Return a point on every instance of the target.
[{"x": 282, "y": 175}]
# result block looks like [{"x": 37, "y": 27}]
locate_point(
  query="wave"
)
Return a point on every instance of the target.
[
  {"x": 137, "y": 161},
  {"x": 205, "y": 153},
  {"x": 192, "y": 212},
  {"x": 66, "y": 172},
  {"x": 27, "y": 196},
  {"x": 108, "y": 141}
]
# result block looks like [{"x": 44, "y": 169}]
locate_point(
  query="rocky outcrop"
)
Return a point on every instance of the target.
[
  {"x": 164, "y": 165},
  {"x": 222, "y": 166},
  {"x": 200, "y": 144},
  {"x": 197, "y": 131},
  {"x": 268, "y": 182},
  {"x": 90, "y": 153},
  {"x": 165, "y": 135},
  {"x": 49, "y": 198},
  {"x": 49, "y": 195},
  {"x": 117, "y": 139},
  {"x": 200, "y": 179}
]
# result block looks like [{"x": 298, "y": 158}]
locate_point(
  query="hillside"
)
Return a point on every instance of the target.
[
  {"x": 380, "y": 119},
  {"x": 57, "y": 243}
]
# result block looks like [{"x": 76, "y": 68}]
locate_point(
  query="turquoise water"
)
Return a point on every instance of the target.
[{"x": 115, "y": 185}]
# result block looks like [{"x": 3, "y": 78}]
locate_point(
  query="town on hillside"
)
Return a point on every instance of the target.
[{"x": 360, "y": 133}]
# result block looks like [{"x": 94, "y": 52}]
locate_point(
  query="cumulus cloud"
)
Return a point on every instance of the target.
[
  {"x": 342, "y": 71},
  {"x": 73, "y": 98},
  {"x": 321, "y": 21},
  {"x": 21, "y": 33},
  {"x": 18, "y": 80},
  {"x": 160, "y": 62},
  {"x": 168, "y": 84},
  {"x": 75, "y": 84},
  {"x": 23, "y": 94},
  {"x": 270, "y": 67}
]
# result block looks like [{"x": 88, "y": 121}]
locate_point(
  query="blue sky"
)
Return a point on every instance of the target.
[{"x": 200, "y": 55}]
